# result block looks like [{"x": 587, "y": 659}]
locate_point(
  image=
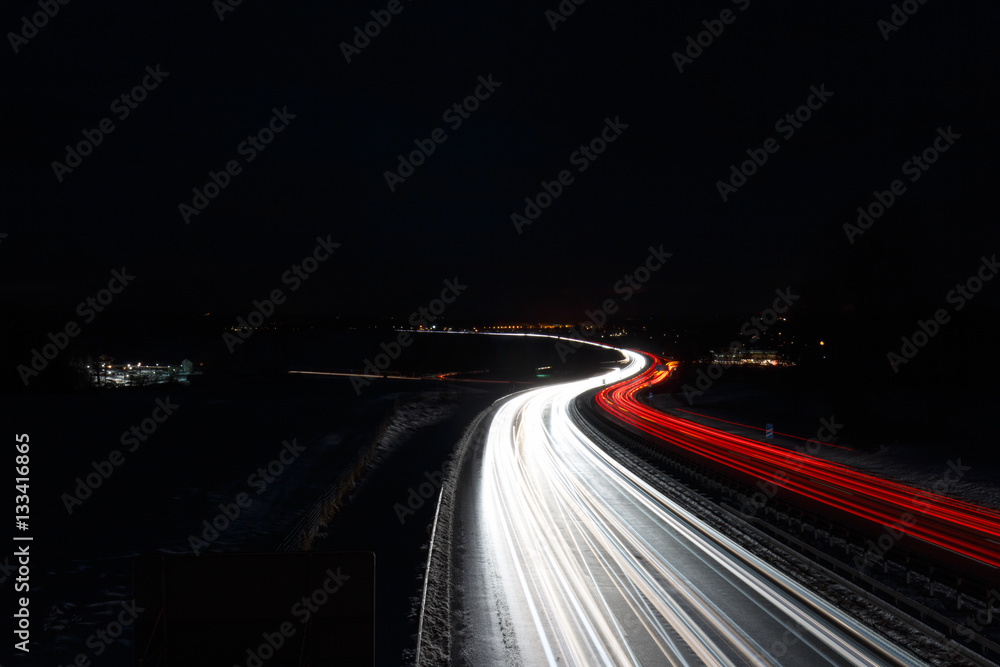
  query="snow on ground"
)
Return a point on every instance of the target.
[
  {"x": 88, "y": 588},
  {"x": 939, "y": 471},
  {"x": 960, "y": 477},
  {"x": 412, "y": 413}
]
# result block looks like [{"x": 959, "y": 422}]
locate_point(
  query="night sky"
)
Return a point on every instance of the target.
[{"x": 656, "y": 184}]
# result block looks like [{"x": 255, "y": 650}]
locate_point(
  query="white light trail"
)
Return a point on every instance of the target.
[{"x": 600, "y": 568}]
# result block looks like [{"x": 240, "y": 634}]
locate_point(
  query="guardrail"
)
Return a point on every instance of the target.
[{"x": 312, "y": 522}]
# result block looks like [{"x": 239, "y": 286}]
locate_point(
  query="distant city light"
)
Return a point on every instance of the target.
[{"x": 128, "y": 375}]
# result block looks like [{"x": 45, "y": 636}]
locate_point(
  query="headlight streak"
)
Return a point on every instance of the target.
[
  {"x": 603, "y": 515},
  {"x": 591, "y": 550},
  {"x": 687, "y": 519}
]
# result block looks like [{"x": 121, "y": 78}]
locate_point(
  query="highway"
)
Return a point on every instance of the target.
[{"x": 571, "y": 559}]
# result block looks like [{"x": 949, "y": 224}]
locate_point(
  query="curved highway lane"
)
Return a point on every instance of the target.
[{"x": 589, "y": 565}]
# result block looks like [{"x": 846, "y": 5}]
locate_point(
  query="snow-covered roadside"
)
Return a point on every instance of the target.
[
  {"x": 410, "y": 414},
  {"x": 92, "y": 591},
  {"x": 940, "y": 471},
  {"x": 435, "y": 606},
  {"x": 956, "y": 476}
]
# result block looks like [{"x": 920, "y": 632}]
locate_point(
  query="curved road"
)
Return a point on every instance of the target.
[{"x": 570, "y": 559}]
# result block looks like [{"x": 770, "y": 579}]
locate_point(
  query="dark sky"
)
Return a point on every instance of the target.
[{"x": 656, "y": 184}]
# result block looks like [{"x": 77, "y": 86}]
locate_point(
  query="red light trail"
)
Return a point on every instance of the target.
[{"x": 957, "y": 526}]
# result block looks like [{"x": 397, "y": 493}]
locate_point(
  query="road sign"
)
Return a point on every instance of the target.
[{"x": 769, "y": 431}]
